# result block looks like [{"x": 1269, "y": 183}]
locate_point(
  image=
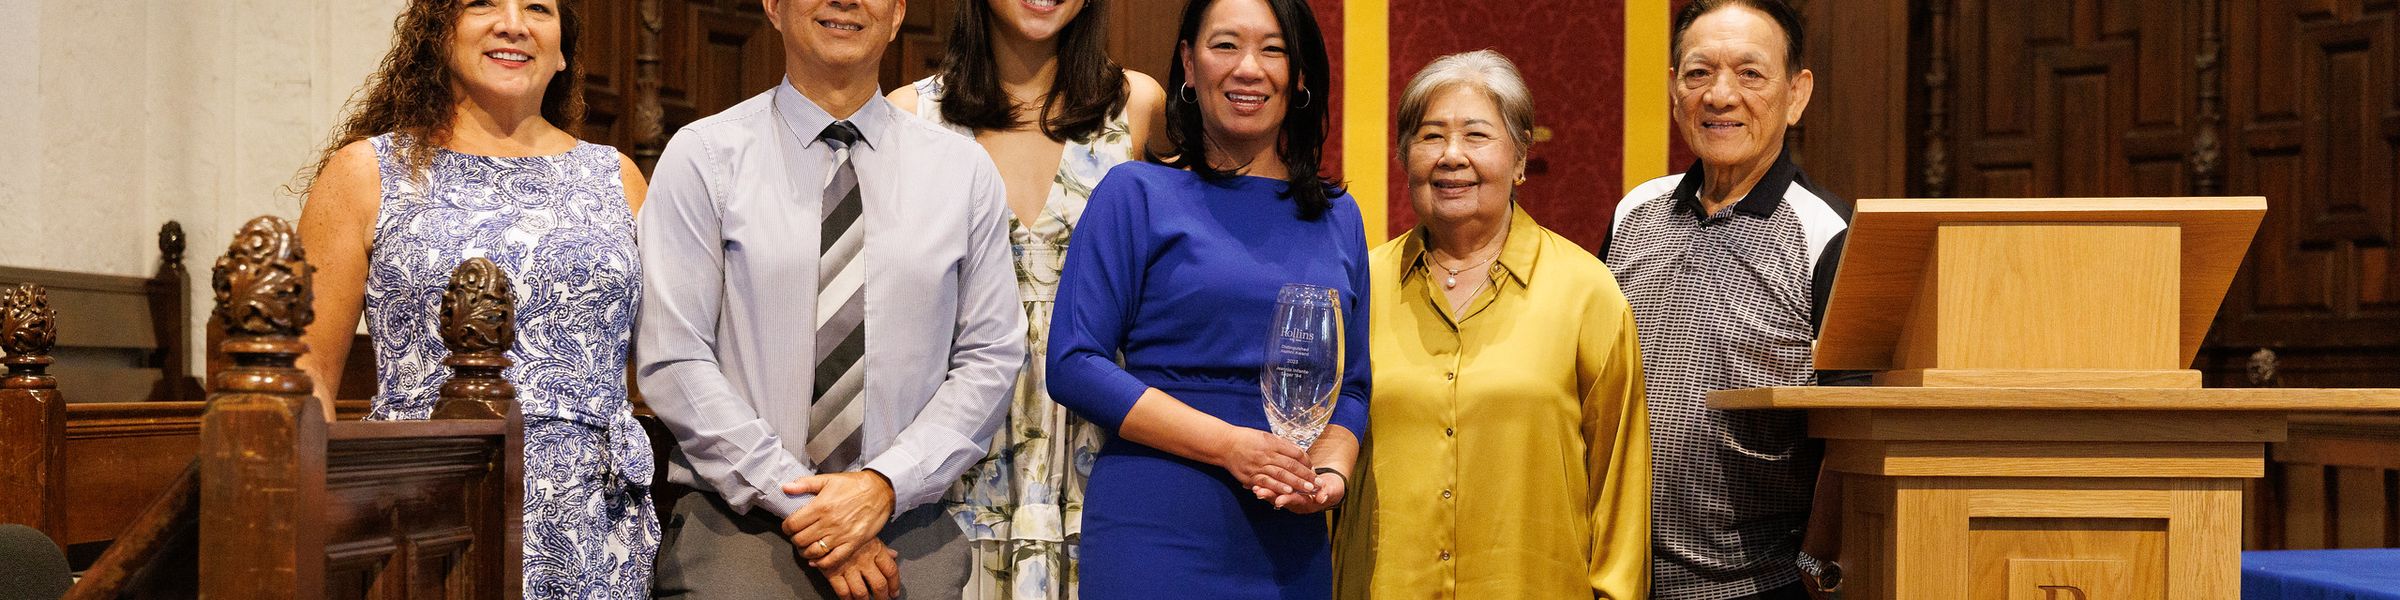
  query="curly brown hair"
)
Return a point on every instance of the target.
[{"x": 410, "y": 93}]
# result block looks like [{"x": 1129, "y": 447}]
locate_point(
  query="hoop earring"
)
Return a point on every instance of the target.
[
  {"x": 1306, "y": 98},
  {"x": 1187, "y": 94}
]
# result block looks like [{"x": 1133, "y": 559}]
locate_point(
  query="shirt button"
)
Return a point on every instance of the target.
[
  {"x": 1446, "y": 432},
  {"x": 1445, "y": 555},
  {"x": 1450, "y": 376},
  {"x": 1445, "y": 494}
]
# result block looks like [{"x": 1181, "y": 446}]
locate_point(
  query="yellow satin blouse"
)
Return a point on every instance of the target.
[{"x": 1509, "y": 455}]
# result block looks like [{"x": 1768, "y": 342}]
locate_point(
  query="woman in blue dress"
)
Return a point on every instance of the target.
[
  {"x": 457, "y": 150},
  {"x": 1175, "y": 270}
]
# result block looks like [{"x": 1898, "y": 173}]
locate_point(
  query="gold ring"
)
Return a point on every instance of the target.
[{"x": 821, "y": 546}]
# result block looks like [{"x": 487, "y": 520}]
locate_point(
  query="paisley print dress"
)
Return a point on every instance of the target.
[
  {"x": 1022, "y": 506},
  {"x": 559, "y": 226}
]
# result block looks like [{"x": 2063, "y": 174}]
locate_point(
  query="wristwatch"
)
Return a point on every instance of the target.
[{"x": 1824, "y": 576}]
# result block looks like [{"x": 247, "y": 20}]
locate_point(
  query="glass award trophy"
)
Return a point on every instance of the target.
[{"x": 1303, "y": 371}]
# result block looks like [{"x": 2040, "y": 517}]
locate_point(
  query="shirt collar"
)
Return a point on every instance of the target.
[
  {"x": 1517, "y": 255},
  {"x": 1761, "y": 201},
  {"x": 1523, "y": 247},
  {"x": 1412, "y": 245},
  {"x": 807, "y": 119}
]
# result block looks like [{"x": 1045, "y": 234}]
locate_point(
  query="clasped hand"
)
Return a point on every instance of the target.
[
  {"x": 872, "y": 573},
  {"x": 1330, "y": 490},
  {"x": 848, "y": 512},
  {"x": 1277, "y": 470}
]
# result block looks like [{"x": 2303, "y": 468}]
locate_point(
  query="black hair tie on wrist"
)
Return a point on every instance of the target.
[{"x": 1336, "y": 473}]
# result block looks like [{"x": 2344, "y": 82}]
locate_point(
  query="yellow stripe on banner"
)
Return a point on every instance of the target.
[
  {"x": 1646, "y": 125},
  {"x": 1366, "y": 116}
]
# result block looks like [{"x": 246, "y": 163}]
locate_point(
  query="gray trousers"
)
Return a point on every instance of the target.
[{"x": 706, "y": 552}]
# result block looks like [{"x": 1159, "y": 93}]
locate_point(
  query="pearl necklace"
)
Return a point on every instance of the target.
[{"x": 1452, "y": 281}]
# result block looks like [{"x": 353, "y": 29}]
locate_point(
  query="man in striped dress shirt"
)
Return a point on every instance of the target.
[
  {"x": 1727, "y": 267},
  {"x": 829, "y": 326}
]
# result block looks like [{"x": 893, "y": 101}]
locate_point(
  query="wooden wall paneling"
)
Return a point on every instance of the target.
[
  {"x": 2207, "y": 154},
  {"x": 2266, "y": 158},
  {"x": 1978, "y": 123},
  {"x": 726, "y": 44},
  {"x": 1142, "y": 35},
  {"x": 657, "y": 65},
  {"x": 2083, "y": 98},
  {"x": 671, "y": 62},
  {"x": 2312, "y": 123},
  {"x": 1856, "y": 143},
  {"x": 917, "y": 52},
  {"x": 761, "y": 65},
  {"x": 679, "y": 43},
  {"x": 1932, "y": 109},
  {"x": 605, "y": 51}
]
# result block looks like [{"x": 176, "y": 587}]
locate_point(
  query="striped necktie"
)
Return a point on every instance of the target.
[{"x": 838, "y": 406}]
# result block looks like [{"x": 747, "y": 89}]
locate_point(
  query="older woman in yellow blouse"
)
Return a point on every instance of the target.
[{"x": 1510, "y": 457}]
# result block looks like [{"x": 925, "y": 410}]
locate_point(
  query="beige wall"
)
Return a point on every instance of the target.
[{"x": 119, "y": 115}]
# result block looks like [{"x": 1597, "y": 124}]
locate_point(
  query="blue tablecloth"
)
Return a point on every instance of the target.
[{"x": 2321, "y": 575}]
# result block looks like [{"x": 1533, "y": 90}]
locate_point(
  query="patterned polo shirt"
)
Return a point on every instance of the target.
[{"x": 1726, "y": 301}]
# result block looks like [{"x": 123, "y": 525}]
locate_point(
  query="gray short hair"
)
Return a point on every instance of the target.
[{"x": 1488, "y": 71}]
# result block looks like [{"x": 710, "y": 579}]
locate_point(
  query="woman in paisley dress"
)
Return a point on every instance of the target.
[
  {"x": 1032, "y": 82},
  {"x": 456, "y": 150}
]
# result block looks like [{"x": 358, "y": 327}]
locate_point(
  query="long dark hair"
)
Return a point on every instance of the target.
[
  {"x": 1302, "y": 143},
  {"x": 1089, "y": 87},
  {"x": 410, "y": 93}
]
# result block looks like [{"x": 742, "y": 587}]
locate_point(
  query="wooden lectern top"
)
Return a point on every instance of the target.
[{"x": 1883, "y": 312}]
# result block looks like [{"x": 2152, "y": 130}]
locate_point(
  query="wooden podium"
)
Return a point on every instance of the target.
[{"x": 2034, "y": 433}]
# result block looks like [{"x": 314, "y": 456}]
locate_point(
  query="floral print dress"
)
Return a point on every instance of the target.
[
  {"x": 1022, "y": 506},
  {"x": 560, "y": 228}
]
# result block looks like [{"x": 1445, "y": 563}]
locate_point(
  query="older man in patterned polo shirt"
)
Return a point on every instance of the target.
[{"x": 1727, "y": 267}]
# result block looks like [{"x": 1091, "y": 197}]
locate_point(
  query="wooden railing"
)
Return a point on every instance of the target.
[
  {"x": 279, "y": 503},
  {"x": 2334, "y": 483},
  {"x": 80, "y": 471}
]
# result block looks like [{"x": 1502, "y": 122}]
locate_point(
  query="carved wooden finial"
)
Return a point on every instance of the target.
[
  {"x": 479, "y": 324},
  {"x": 263, "y": 303},
  {"x": 170, "y": 243},
  {"x": 2261, "y": 370},
  {"x": 28, "y": 330},
  {"x": 170, "y": 292}
]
